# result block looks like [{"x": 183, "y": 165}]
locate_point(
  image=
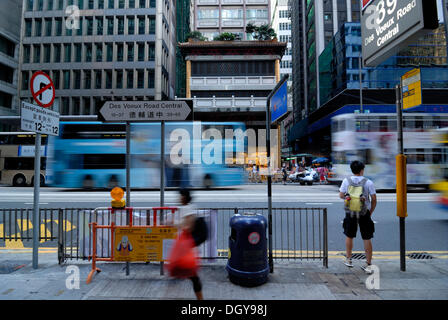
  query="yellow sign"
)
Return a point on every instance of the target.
[
  {"x": 411, "y": 86},
  {"x": 143, "y": 243}
]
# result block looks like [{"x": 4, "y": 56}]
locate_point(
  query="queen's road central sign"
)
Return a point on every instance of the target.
[{"x": 147, "y": 111}]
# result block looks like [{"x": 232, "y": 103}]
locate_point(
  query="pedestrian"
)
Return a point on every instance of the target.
[
  {"x": 284, "y": 173},
  {"x": 186, "y": 221},
  {"x": 360, "y": 202}
]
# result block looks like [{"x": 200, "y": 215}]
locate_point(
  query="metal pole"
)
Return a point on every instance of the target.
[
  {"x": 128, "y": 177},
  {"x": 401, "y": 151},
  {"x": 162, "y": 176},
  {"x": 268, "y": 151},
  {"x": 36, "y": 220},
  {"x": 360, "y": 85}
]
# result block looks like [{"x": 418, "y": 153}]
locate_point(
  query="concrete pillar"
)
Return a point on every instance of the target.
[
  {"x": 188, "y": 79},
  {"x": 277, "y": 70}
]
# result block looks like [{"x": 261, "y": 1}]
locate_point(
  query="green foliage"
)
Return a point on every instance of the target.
[
  {"x": 225, "y": 36},
  {"x": 263, "y": 32},
  {"x": 196, "y": 35}
]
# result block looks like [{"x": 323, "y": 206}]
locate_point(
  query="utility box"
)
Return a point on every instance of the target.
[{"x": 248, "y": 256}]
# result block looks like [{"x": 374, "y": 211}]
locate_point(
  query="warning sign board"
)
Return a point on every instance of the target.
[
  {"x": 42, "y": 89},
  {"x": 411, "y": 86},
  {"x": 144, "y": 243}
]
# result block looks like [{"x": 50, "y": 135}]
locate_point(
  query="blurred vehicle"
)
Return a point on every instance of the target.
[
  {"x": 17, "y": 158},
  {"x": 309, "y": 177},
  {"x": 296, "y": 175},
  {"x": 372, "y": 139},
  {"x": 93, "y": 155},
  {"x": 441, "y": 184}
]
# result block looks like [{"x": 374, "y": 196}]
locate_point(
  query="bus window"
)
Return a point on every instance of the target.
[
  {"x": 104, "y": 161},
  {"x": 19, "y": 163},
  {"x": 86, "y": 131}
]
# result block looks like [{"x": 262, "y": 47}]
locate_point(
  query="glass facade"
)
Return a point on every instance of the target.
[{"x": 339, "y": 63}]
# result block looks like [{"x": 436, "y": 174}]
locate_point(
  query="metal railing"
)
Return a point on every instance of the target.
[{"x": 297, "y": 233}]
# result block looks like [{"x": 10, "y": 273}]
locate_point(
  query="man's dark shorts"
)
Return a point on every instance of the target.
[{"x": 366, "y": 226}]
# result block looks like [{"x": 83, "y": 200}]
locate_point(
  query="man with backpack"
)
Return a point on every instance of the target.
[{"x": 359, "y": 196}]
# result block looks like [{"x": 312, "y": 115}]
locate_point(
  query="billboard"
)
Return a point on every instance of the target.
[
  {"x": 279, "y": 103},
  {"x": 387, "y": 26}
]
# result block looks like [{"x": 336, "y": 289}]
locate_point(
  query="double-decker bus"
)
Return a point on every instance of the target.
[
  {"x": 372, "y": 139},
  {"x": 93, "y": 155},
  {"x": 17, "y": 158}
]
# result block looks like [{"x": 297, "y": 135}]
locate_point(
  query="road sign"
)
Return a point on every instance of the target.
[
  {"x": 411, "y": 87},
  {"x": 147, "y": 111},
  {"x": 279, "y": 103},
  {"x": 389, "y": 25},
  {"x": 42, "y": 89},
  {"x": 40, "y": 120}
]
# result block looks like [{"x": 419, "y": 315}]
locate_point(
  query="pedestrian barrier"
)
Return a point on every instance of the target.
[{"x": 297, "y": 233}]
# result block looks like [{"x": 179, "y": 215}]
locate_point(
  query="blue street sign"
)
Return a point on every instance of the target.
[{"x": 279, "y": 102}]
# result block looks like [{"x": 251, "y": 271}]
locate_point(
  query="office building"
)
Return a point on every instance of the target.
[
  {"x": 10, "y": 17},
  {"x": 119, "y": 50},
  {"x": 213, "y": 17}
]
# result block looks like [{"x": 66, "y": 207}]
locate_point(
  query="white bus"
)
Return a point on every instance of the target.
[{"x": 372, "y": 139}]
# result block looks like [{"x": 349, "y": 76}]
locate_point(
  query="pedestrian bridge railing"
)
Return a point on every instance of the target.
[{"x": 297, "y": 233}]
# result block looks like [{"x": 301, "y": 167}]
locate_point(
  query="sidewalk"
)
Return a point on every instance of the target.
[{"x": 291, "y": 280}]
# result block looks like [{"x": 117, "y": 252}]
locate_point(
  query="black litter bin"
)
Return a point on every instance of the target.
[{"x": 248, "y": 258}]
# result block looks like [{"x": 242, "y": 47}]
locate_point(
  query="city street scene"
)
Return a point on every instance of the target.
[{"x": 242, "y": 151}]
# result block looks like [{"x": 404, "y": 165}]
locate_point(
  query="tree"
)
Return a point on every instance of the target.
[
  {"x": 196, "y": 35},
  {"x": 225, "y": 36},
  {"x": 263, "y": 32}
]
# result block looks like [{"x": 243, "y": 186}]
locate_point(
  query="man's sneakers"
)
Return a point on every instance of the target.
[
  {"x": 367, "y": 268},
  {"x": 348, "y": 263}
]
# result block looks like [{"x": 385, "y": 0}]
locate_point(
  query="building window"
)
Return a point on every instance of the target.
[
  {"x": 99, "y": 52},
  {"x": 109, "y": 52},
  {"x": 98, "y": 79},
  {"x": 99, "y": 26},
  {"x": 108, "y": 79},
  {"x": 28, "y": 27},
  {"x": 100, "y": 4},
  {"x": 6, "y": 73},
  {"x": 67, "y": 52},
  {"x": 120, "y": 25},
  {"x": 26, "y": 54},
  {"x": 89, "y": 26},
  {"x": 152, "y": 53},
  {"x": 111, "y": 4},
  {"x": 58, "y": 26},
  {"x": 65, "y": 108},
  {"x": 36, "y": 49},
  {"x": 77, "y": 76},
  {"x": 25, "y": 80},
  {"x": 57, "y": 53},
  {"x": 232, "y": 14},
  {"x": 141, "y": 52},
  {"x": 119, "y": 52},
  {"x": 131, "y": 25},
  {"x": 132, "y": 4},
  {"x": 121, "y": 4},
  {"x": 208, "y": 14},
  {"x": 56, "y": 80},
  {"x": 151, "y": 79},
  {"x": 152, "y": 3},
  {"x": 141, "y": 79},
  {"x": 110, "y": 25},
  {"x": 47, "y": 53},
  {"x": 86, "y": 102},
  {"x": 5, "y": 100},
  {"x": 90, "y": 4},
  {"x": 66, "y": 75},
  {"x": 152, "y": 25},
  {"x": 60, "y": 4},
  {"x": 48, "y": 26},
  {"x": 76, "y": 106},
  {"x": 257, "y": 14},
  {"x": 141, "y": 25},
  {"x": 37, "y": 27},
  {"x": 88, "y": 52},
  {"x": 119, "y": 79},
  {"x": 87, "y": 80},
  {"x": 79, "y": 30},
  {"x": 78, "y": 52},
  {"x": 130, "y": 52},
  {"x": 142, "y": 3},
  {"x": 29, "y": 5},
  {"x": 130, "y": 81}
]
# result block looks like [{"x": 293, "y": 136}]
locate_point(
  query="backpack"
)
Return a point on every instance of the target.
[
  {"x": 200, "y": 231},
  {"x": 355, "y": 206}
]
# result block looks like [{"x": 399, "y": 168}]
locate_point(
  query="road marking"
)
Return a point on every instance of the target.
[
  {"x": 318, "y": 203},
  {"x": 39, "y": 203}
]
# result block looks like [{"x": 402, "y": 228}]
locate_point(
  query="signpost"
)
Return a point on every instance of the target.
[
  {"x": 387, "y": 26},
  {"x": 146, "y": 111},
  {"x": 411, "y": 87},
  {"x": 39, "y": 120},
  {"x": 277, "y": 104}
]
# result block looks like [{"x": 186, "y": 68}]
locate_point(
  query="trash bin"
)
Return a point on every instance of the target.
[{"x": 248, "y": 258}]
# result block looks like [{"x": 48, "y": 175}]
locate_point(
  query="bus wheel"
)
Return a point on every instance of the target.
[
  {"x": 19, "y": 180},
  {"x": 113, "y": 182},
  {"x": 87, "y": 183},
  {"x": 207, "y": 181},
  {"x": 42, "y": 181}
]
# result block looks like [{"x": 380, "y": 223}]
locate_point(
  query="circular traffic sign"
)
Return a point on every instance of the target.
[
  {"x": 42, "y": 89},
  {"x": 254, "y": 238}
]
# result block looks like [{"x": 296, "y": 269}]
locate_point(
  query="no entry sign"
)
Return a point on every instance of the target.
[{"x": 42, "y": 89}]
